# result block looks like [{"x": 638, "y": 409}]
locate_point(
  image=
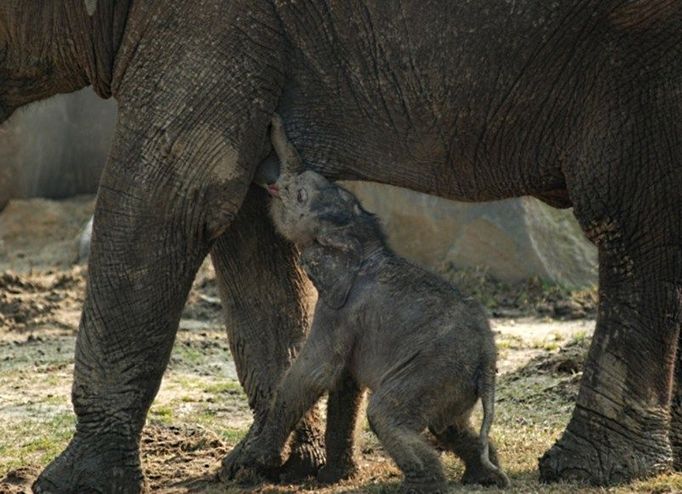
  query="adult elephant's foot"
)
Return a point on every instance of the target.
[
  {"x": 606, "y": 451},
  {"x": 676, "y": 411},
  {"x": 676, "y": 432},
  {"x": 233, "y": 466},
  {"x": 87, "y": 467}
]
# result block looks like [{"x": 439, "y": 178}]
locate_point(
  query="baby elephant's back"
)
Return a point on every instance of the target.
[
  {"x": 424, "y": 325},
  {"x": 446, "y": 317},
  {"x": 465, "y": 331},
  {"x": 433, "y": 353}
]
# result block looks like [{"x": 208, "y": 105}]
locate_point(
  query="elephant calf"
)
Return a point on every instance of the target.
[{"x": 426, "y": 352}]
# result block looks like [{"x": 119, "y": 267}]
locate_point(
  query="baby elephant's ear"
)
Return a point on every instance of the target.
[{"x": 332, "y": 265}]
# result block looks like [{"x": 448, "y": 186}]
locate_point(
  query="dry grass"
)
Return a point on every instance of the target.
[{"x": 201, "y": 412}]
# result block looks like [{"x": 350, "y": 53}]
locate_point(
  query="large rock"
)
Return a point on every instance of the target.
[
  {"x": 513, "y": 239},
  {"x": 42, "y": 233},
  {"x": 56, "y": 148}
]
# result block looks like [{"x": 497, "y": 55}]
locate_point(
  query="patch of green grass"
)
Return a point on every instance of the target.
[
  {"x": 188, "y": 354},
  {"x": 187, "y": 381},
  {"x": 34, "y": 441},
  {"x": 580, "y": 337},
  {"x": 53, "y": 378},
  {"x": 232, "y": 435},
  {"x": 229, "y": 387},
  {"x": 509, "y": 342},
  {"x": 214, "y": 420},
  {"x": 547, "y": 345},
  {"x": 551, "y": 346},
  {"x": 161, "y": 413}
]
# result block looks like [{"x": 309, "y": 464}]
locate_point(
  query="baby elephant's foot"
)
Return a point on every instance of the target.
[
  {"x": 485, "y": 476},
  {"x": 250, "y": 463},
  {"x": 336, "y": 472},
  {"x": 424, "y": 486}
]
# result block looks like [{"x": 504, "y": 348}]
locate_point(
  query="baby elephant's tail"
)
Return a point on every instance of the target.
[{"x": 487, "y": 392}]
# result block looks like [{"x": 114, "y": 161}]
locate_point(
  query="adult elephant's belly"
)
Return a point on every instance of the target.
[
  {"x": 441, "y": 100},
  {"x": 461, "y": 159}
]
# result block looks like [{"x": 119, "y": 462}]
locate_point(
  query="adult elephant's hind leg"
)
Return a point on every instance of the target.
[
  {"x": 676, "y": 410},
  {"x": 267, "y": 303},
  {"x": 619, "y": 430}
]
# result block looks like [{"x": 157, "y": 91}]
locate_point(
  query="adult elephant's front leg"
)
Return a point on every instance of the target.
[
  {"x": 145, "y": 254},
  {"x": 197, "y": 83},
  {"x": 173, "y": 184},
  {"x": 267, "y": 301}
]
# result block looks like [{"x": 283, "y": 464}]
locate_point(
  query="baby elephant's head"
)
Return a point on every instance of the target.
[
  {"x": 335, "y": 233},
  {"x": 304, "y": 202}
]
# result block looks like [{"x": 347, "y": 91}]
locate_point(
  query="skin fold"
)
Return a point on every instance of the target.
[
  {"x": 425, "y": 351},
  {"x": 578, "y": 102}
]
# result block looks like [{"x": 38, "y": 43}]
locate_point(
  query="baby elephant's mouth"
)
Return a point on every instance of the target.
[{"x": 273, "y": 190}]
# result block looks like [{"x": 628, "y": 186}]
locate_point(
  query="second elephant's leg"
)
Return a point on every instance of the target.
[
  {"x": 267, "y": 301},
  {"x": 619, "y": 430}
]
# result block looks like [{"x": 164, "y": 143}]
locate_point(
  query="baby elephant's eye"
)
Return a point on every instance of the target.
[{"x": 301, "y": 196}]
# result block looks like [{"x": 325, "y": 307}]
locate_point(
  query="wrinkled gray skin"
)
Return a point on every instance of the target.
[
  {"x": 578, "y": 102},
  {"x": 425, "y": 351}
]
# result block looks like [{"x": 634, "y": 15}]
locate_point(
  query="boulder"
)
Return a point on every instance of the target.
[
  {"x": 56, "y": 148},
  {"x": 42, "y": 233},
  {"x": 514, "y": 239}
]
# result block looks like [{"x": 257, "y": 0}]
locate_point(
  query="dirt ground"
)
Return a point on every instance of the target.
[{"x": 201, "y": 411}]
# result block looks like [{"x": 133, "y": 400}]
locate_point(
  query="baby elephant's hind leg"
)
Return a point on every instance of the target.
[
  {"x": 400, "y": 434},
  {"x": 462, "y": 440}
]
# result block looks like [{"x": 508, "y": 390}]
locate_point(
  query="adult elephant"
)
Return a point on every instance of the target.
[{"x": 578, "y": 102}]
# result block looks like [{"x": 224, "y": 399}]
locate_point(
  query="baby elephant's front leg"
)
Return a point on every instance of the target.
[
  {"x": 314, "y": 372},
  {"x": 343, "y": 406}
]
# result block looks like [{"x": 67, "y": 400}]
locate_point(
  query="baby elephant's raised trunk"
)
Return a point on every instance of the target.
[{"x": 291, "y": 162}]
